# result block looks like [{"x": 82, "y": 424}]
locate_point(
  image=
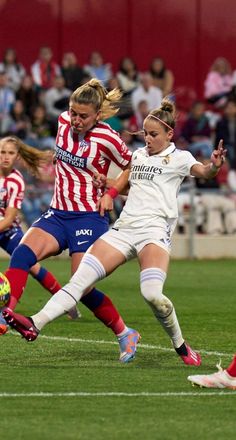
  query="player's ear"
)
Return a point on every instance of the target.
[
  {"x": 170, "y": 134},
  {"x": 98, "y": 117}
]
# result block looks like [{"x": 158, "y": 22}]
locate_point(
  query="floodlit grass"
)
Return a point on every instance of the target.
[{"x": 87, "y": 394}]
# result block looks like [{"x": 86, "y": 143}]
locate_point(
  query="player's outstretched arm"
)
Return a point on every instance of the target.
[{"x": 210, "y": 170}]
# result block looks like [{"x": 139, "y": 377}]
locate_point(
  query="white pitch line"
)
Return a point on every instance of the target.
[
  {"x": 122, "y": 394},
  {"x": 102, "y": 342}
]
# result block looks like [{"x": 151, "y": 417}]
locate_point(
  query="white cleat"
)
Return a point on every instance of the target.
[{"x": 221, "y": 379}]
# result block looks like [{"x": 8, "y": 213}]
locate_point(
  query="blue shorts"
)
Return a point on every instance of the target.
[
  {"x": 75, "y": 231},
  {"x": 10, "y": 239}
]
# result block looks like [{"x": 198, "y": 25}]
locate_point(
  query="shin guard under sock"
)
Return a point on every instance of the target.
[
  {"x": 22, "y": 259},
  {"x": 104, "y": 310},
  {"x": 17, "y": 279},
  {"x": 47, "y": 280}
]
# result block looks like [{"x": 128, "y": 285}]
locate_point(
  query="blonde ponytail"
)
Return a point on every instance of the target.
[
  {"x": 93, "y": 92},
  {"x": 33, "y": 159}
]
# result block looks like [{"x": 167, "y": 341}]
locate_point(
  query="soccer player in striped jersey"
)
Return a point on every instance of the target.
[
  {"x": 12, "y": 189},
  {"x": 84, "y": 145},
  {"x": 143, "y": 230}
]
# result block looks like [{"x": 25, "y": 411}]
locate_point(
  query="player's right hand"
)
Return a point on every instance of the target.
[{"x": 99, "y": 180}]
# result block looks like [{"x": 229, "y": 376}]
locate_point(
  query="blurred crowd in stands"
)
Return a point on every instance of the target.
[{"x": 31, "y": 101}]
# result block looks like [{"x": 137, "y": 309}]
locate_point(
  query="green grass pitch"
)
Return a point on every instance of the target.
[{"x": 69, "y": 384}]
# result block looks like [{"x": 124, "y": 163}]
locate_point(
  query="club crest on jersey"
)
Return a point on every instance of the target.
[
  {"x": 84, "y": 145},
  {"x": 166, "y": 160},
  {"x": 3, "y": 193}
]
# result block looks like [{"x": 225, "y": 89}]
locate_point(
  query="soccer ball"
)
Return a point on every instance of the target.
[{"x": 5, "y": 290}]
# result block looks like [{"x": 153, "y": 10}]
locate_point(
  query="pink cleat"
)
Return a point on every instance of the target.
[
  {"x": 192, "y": 358},
  {"x": 21, "y": 324}
]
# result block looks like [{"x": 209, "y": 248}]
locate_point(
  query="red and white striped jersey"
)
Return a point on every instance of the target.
[
  {"x": 78, "y": 158},
  {"x": 12, "y": 189}
]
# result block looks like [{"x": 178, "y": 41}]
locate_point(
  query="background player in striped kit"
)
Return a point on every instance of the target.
[
  {"x": 84, "y": 145},
  {"x": 12, "y": 189},
  {"x": 143, "y": 229}
]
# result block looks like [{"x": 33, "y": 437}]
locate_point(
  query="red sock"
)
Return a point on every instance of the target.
[
  {"x": 17, "y": 279},
  {"x": 110, "y": 317},
  {"x": 232, "y": 368},
  {"x": 50, "y": 283}
]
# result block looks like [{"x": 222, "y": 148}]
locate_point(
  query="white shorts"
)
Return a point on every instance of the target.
[{"x": 130, "y": 242}]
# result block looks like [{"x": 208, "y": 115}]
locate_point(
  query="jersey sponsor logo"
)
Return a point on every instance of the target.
[
  {"x": 71, "y": 159},
  {"x": 147, "y": 169},
  {"x": 82, "y": 242},
  {"x": 144, "y": 172},
  {"x": 84, "y": 232}
]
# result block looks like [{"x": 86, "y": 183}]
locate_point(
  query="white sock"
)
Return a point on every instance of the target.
[
  {"x": 55, "y": 307},
  {"x": 151, "y": 283},
  {"x": 171, "y": 325},
  {"x": 89, "y": 271}
]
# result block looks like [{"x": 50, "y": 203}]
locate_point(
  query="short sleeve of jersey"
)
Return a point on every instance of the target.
[
  {"x": 112, "y": 146},
  {"x": 15, "y": 190},
  {"x": 185, "y": 163}
]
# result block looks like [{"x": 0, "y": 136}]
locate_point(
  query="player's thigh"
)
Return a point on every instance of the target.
[
  {"x": 108, "y": 255},
  {"x": 40, "y": 242},
  {"x": 153, "y": 256},
  {"x": 76, "y": 258}
]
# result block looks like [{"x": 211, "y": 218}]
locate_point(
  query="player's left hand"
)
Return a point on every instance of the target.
[
  {"x": 105, "y": 203},
  {"x": 218, "y": 156}
]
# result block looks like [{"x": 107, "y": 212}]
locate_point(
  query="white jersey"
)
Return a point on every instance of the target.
[{"x": 154, "y": 186}]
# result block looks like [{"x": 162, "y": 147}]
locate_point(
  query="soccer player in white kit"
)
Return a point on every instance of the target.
[{"x": 144, "y": 230}]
